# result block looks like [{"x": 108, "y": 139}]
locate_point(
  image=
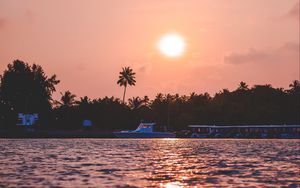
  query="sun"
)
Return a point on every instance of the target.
[{"x": 171, "y": 45}]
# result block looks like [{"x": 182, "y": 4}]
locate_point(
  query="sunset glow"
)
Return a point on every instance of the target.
[
  {"x": 171, "y": 45},
  {"x": 167, "y": 43}
]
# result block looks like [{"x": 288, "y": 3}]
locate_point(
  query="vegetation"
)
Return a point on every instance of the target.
[
  {"x": 67, "y": 99},
  {"x": 126, "y": 78},
  {"x": 27, "y": 89}
]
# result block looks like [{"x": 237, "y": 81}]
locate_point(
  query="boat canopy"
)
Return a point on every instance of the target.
[{"x": 145, "y": 127}]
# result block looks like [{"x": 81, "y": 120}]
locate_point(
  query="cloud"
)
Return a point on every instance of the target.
[
  {"x": 295, "y": 12},
  {"x": 3, "y": 22},
  {"x": 287, "y": 52},
  {"x": 250, "y": 55},
  {"x": 143, "y": 69},
  {"x": 290, "y": 47},
  {"x": 141, "y": 64}
]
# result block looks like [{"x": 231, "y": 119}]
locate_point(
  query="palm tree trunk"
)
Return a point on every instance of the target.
[{"x": 124, "y": 94}]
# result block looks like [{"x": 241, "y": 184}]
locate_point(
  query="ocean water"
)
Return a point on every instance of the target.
[{"x": 149, "y": 163}]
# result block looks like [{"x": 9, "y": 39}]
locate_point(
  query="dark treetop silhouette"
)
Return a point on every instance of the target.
[
  {"x": 67, "y": 99},
  {"x": 27, "y": 89}
]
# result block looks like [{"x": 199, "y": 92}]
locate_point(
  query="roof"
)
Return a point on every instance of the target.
[
  {"x": 244, "y": 126},
  {"x": 148, "y": 124}
]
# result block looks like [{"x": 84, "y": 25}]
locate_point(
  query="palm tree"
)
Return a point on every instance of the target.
[
  {"x": 146, "y": 101},
  {"x": 243, "y": 86},
  {"x": 84, "y": 101},
  {"x": 67, "y": 99},
  {"x": 295, "y": 87},
  {"x": 126, "y": 77},
  {"x": 135, "y": 103}
]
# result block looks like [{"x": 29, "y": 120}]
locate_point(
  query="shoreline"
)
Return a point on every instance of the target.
[
  {"x": 55, "y": 134},
  {"x": 108, "y": 134}
]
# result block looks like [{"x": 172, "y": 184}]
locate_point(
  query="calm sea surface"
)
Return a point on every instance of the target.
[{"x": 149, "y": 163}]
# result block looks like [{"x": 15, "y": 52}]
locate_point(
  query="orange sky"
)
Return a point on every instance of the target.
[{"x": 87, "y": 42}]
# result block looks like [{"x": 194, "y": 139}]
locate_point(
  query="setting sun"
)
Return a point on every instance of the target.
[{"x": 171, "y": 45}]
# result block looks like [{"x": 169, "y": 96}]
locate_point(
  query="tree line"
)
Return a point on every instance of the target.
[{"x": 26, "y": 88}]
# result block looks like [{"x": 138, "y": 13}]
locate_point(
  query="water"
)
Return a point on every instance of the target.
[{"x": 149, "y": 162}]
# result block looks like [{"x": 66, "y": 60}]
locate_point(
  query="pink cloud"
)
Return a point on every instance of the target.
[
  {"x": 295, "y": 12},
  {"x": 250, "y": 55},
  {"x": 288, "y": 51}
]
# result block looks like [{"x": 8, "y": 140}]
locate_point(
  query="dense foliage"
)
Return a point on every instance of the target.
[{"x": 27, "y": 89}]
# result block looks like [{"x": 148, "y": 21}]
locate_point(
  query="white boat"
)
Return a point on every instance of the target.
[{"x": 144, "y": 130}]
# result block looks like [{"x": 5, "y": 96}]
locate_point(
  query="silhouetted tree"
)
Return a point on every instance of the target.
[
  {"x": 135, "y": 103},
  {"x": 295, "y": 87},
  {"x": 243, "y": 86},
  {"x": 26, "y": 89},
  {"x": 67, "y": 99},
  {"x": 66, "y": 114},
  {"x": 84, "y": 108},
  {"x": 292, "y": 113},
  {"x": 146, "y": 101},
  {"x": 83, "y": 101},
  {"x": 126, "y": 78}
]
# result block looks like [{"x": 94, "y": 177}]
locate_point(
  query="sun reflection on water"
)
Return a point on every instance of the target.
[
  {"x": 170, "y": 139},
  {"x": 172, "y": 185}
]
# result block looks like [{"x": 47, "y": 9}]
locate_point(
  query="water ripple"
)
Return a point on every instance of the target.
[{"x": 149, "y": 163}]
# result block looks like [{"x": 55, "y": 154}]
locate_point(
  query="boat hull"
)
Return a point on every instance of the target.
[{"x": 144, "y": 135}]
